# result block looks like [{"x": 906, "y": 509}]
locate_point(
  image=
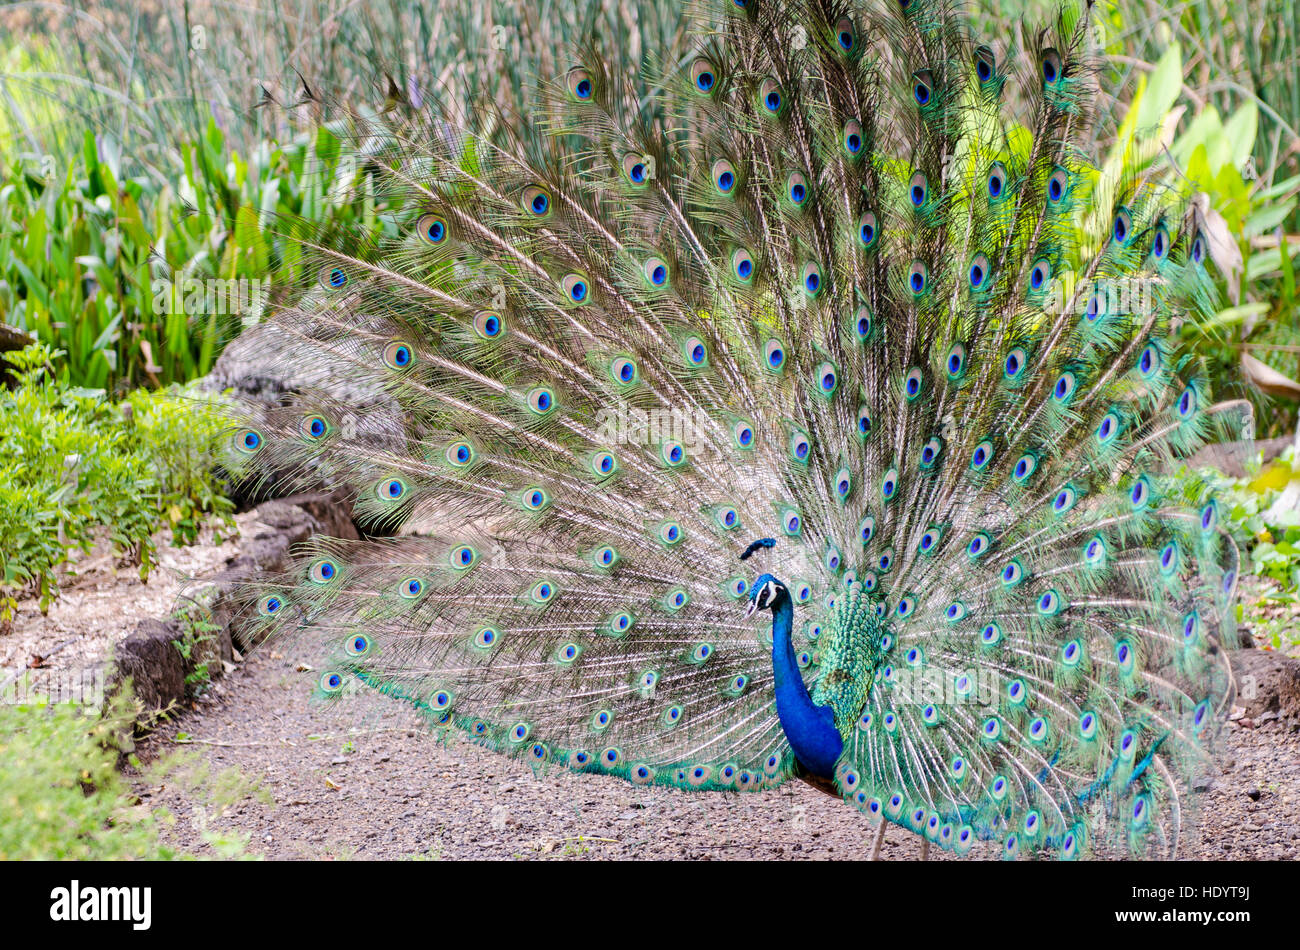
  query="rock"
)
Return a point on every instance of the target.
[
  {"x": 1232, "y": 458},
  {"x": 1266, "y": 682},
  {"x": 150, "y": 661},
  {"x": 269, "y": 363},
  {"x": 1253, "y": 793},
  {"x": 11, "y": 338}
]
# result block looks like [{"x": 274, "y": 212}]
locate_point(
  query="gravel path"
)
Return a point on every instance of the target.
[{"x": 364, "y": 780}]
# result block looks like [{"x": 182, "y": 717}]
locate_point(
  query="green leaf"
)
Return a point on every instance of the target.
[{"x": 1163, "y": 86}]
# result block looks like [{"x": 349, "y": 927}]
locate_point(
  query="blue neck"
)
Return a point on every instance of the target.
[{"x": 810, "y": 729}]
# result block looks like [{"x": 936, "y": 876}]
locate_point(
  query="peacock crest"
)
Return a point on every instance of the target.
[{"x": 849, "y": 284}]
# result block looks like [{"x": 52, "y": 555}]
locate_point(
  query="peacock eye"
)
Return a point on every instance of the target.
[
  {"x": 723, "y": 176},
  {"x": 432, "y": 228},
  {"x": 867, "y": 229},
  {"x": 536, "y": 201},
  {"x": 982, "y": 456},
  {"x": 774, "y": 354},
  {"x": 575, "y": 287},
  {"x": 912, "y": 383},
  {"x": 1160, "y": 244},
  {"x": 1210, "y": 517},
  {"x": 1065, "y": 386},
  {"x": 1025, "y": 466},
  {"x": 923, "y": 87},
  {"x": 930, "y": 452},
  {"x": 1198, "y": 248},
  {"x": 771, "y": 99},
  {"x": 956, "y": 362},
  {"x": 694, "y": 351},
  {"x": 623, "y": 371},
  {"x": 997, "y": 183},
  {"x": 249, "y": 441},
  {"x": 979, "y": 272},
  {"x": 1014, "y": 365},
  {"x": 579, "y": 83},
  {"x": 1039, "y": 275},
  {"x": 846, "y": 36},
  {"x": 704, "y": 76},
  {"x": 398, "y": 356},
  {"x": 851, "y": 137},
  {"x": 812, "y": 279},
  {"x": 827, "y": 378},
  {"x": 333, "y": 278},
  {"x": 918, "y": 278},
  {"x": 390, "y": 489},
  {"x": 742, "y": 265},
  {"x": 655, "y": 271},
  {"x": 331, "y": 682},
  {"x": 322, "y": 571},
  {"x": 1122, "y": 227},
  {"x": 889, "y": 484},
  {"x": 1056, "y": 185},
  {"x": 541, "y": 400},
  {"x": 1064, "y": 500},
  {"x": 918, "y": 189},
  {"x": 1108, "y": 428},
  {"x": 1140, "y": 493},
  {"x": 864, "y": 421},
  {"x": 636, "y": 169},
  {"x": 487, "y": 324},
  {"x": 796, "y": 188},
  {"x": 462, "y": 557},
  {"x": 1052, "y": 68},
  {"x": 985, "y": 64}
]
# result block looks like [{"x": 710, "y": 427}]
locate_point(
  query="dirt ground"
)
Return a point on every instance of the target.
[
  {"x": 255, "y": 768},
  {"x": 365, "y": 781}
]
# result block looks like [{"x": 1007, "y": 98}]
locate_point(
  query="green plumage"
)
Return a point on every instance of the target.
[{"x": 849, "y": 281}]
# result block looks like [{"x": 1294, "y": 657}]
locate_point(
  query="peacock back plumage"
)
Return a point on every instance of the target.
[{"x": 847, "y": 297}]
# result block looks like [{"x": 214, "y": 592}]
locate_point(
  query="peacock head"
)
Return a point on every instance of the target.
[{"x": 766, "y": 594}]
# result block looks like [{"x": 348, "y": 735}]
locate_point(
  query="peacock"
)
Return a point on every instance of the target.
[{"x": 841, "y": 325}]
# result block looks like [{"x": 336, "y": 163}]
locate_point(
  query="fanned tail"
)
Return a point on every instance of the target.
[{"x": 824, "y": 289}]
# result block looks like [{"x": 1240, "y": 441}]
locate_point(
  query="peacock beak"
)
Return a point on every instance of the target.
[{"x": 749, "y": 611}]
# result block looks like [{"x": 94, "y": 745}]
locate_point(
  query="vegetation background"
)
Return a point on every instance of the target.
[{"x": 134, "y": 156}]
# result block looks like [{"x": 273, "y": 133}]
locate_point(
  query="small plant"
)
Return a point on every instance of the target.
[
  {"x": 1268, "y": 535},
  {"x": 76, "y": 466},
  {"x": 61, "y": 796}
]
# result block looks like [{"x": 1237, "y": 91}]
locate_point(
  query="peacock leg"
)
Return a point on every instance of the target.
[
  {"x": 925, "y": 849},
  {"x": 880, "y": 839}
]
